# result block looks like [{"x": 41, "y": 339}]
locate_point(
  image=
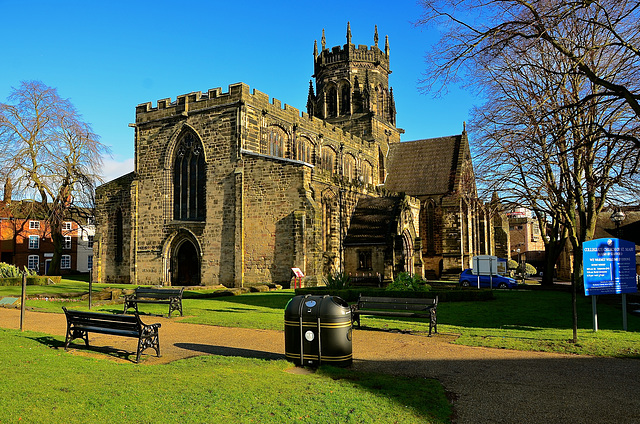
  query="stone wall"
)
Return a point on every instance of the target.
[{"x": 110, "y": 198}]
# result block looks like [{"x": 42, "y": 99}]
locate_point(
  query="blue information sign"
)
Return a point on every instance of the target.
[{"x": 609, "y": 266}]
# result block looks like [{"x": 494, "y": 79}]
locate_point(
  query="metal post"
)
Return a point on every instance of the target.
[
  {"x": 23, "y": 299},
  {"x": 594, "y": 310},
  {"x": 624, "y": 311},
  {"x": 90, "y": 286}
]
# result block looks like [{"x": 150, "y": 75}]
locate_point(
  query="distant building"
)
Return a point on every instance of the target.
[
  {"x": 25, "y": 241},
  {"x": 527, "y": 243}
]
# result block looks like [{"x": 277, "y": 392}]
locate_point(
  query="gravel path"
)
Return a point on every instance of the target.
[{"x": 486, "y": 385}]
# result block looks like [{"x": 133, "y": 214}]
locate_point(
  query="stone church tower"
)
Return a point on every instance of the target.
[{"x": 236, "y": 188}]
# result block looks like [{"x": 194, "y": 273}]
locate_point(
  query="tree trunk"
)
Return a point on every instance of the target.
[
  {"x": 58, "y": 244},
  {"x": 576, "y": 283},
  {"x": 552, "y": 251}
]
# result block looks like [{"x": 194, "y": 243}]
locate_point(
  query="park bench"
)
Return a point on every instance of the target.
[
  {"x": 396, "y": 307},
  {"x": 80, "y": 324},
  {"x": 173, "y": 297}
]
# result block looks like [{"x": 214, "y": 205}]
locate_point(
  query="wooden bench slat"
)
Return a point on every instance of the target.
[
  {"x": 396, "y": 300},
  {"x": 103, "y": 330},
  {"x": 392, "y": 313},
  {"x": 401, "y": 306}
]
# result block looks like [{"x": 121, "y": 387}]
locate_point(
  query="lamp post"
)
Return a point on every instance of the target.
[
  {"x": 522, "y": 269},
  {"x": 617, "y": 217}
]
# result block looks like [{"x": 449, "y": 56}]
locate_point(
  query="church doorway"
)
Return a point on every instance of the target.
[
  {"x": 186, "y": 265},
  {"x": 407, "y": 253}
]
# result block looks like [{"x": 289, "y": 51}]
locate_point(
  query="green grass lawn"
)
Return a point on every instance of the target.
[
  {"x": 519, "y": 319},
  {"x": 43, "y": 384},
  {"x": 47, "y": 385}
]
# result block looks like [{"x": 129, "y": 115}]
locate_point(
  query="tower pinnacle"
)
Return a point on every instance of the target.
[{"x": 348, "y": 33}]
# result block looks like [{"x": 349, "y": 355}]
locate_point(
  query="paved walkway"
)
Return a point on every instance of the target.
[{"x": 486, "y": 385}]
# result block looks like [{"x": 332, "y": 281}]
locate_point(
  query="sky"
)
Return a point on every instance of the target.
[{"x": 107, "y": 57}]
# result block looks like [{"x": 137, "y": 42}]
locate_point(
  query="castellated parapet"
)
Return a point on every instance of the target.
[
  {"x": 351, "y": 53},
  {"x": 271, "y": 112}
]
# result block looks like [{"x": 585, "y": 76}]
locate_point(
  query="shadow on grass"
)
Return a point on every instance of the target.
[
  {"x": 274, "y": 300},
  {"x": 229, "y": 351},
  {"x": 55, "y": 343}
]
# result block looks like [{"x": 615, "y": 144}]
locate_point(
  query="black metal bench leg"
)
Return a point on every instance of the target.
[
  {"x": 73, "y": 334},
  {"x": 433, "y": 322}
]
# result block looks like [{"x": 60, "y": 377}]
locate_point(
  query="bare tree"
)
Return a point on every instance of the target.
[
  {"x": 51, "y": 156},
  {"x": 549, "y": 139},
  {"x": 474, "y": 29}
]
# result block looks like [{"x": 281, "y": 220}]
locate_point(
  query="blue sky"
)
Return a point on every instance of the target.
[{"x": 109, "y": 56}]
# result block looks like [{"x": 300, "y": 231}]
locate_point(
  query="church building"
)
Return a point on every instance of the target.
[{"x": 235, "y": 188}]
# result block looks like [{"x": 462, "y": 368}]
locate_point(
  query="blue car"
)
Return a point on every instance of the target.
[{"x": 467, "y": 279}]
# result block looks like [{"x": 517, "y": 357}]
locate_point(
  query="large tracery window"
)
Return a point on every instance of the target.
[
  {"x": 189, "y": 180},
  {"x": 276, "y": 141}
]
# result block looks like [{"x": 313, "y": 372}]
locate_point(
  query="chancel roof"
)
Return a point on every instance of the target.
[{"x": 425, "y": 167}]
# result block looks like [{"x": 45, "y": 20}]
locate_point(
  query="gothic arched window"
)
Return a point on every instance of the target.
[
  {"x": 349, "y": 167},
  {"x": 381, "y": 168},
  {"x": 367, "y": 172},
  {"x": 332, "y": 102},
  {"x": 119, "y": 236},
  {"x": 345, "y": 100},
  {"x": 327, "y": 225},
  {"x": 431, "y": 229},
  {"x": 189, "y": 180},
  {"x": 328, "y": 158},
  {"x": 303, "y": 149}
]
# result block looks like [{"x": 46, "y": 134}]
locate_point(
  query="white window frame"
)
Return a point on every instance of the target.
[
  {"x": 34, "y": 242},
  {"x": 33, "y": 262},
  {"x": 67, "y": 242},
  {"x": 66, "y": 226},
  {"x": 34, "y": 225},
  {"x": 65, "y": 262}
]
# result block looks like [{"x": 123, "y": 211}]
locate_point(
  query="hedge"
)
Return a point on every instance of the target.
[
  {"x": 34, "y": 280},
  {"x": 445, "y": 295}
]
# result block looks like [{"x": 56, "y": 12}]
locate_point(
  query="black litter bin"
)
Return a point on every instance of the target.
[{"x": 317, "y": 329}]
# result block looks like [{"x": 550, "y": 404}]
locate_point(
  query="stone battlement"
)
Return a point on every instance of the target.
[
  {"x": 350, "y": 52},
  {"x": 197, "y": 101}
]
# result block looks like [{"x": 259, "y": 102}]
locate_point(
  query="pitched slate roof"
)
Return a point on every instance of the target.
[
  {"x": 425, "y": 167},
  {"x": 373, "y": 221}
]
